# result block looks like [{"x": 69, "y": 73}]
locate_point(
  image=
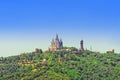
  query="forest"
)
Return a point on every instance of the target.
[{"x": 61, "y": 65}]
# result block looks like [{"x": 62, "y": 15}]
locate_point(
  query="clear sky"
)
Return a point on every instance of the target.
[{"x": 28, "y": 24}]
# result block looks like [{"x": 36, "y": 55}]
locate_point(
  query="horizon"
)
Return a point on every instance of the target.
[{"x": 26, "y": 25}]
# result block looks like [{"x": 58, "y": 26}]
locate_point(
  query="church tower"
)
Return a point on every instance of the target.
[{"x": 81, "y": 46}]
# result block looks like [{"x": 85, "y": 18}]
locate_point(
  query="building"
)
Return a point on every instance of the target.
[
  {"x": 110, "y": 51},
  {"x": 56, "y": 44},
  {"x": 81, "y": 46}
]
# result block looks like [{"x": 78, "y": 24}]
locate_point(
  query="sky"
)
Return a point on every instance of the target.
[{"x": 29, "y": 24}]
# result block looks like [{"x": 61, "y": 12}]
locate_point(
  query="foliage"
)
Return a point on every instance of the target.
[{"x": 61, "y": 66}]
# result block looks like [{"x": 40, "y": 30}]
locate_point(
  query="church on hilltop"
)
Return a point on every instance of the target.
[{"x": 56, "y": 44}]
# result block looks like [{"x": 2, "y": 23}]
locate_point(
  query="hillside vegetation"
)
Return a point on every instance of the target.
[{"x": 60, "y": 65}]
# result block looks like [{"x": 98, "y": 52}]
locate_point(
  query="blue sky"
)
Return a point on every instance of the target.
[{"x": 27, "y": 24}]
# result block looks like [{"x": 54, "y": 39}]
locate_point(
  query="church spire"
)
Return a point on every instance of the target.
[{"x": 57, "y": 37}]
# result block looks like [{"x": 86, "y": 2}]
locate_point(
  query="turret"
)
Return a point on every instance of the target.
[
  {"x": 57, "y": 37},
  {"x": 81, "y": 45},
  {"x": 61, "y": 43},
  {"x": 52, "y": 41}
]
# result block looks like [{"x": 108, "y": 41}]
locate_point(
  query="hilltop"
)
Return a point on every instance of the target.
[{"x": 60, "y": 65}]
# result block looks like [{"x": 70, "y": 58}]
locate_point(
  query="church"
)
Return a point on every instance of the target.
[{"x": 56, "y": 44}]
